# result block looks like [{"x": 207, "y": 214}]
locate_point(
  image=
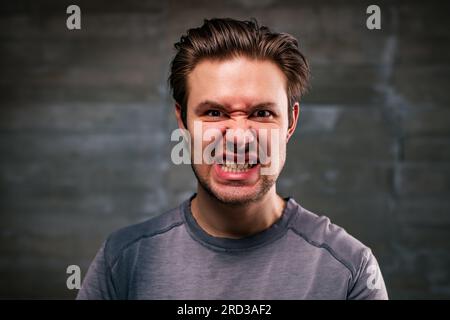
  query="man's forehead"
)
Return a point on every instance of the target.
[
  {"x": 239, "y": 82},
  {"x": 235, "y": 67}
]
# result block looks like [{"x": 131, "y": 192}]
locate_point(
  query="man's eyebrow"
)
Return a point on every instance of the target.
[
  {"x": 265, "y": 105},
  {"x": 209, "y": 104}
]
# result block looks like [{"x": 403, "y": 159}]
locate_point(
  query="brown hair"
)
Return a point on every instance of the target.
[{"x": 226, "y": 38}]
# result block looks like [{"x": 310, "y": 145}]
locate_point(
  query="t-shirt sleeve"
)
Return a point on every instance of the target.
[
  {"x": 369, "y": 284},
  {"x": 98, "y": 283}
]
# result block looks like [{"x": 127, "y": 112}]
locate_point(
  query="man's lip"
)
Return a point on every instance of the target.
[{"x": 226, "y": 177}]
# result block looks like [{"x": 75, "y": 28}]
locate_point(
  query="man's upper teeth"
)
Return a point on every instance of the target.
[{"x": 236, "y": 165}]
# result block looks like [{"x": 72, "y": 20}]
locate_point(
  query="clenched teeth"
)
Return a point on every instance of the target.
[{"x": 235, "y": 167}]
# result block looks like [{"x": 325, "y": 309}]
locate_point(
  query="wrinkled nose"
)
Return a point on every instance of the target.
[{"x": 239, "y": 136}]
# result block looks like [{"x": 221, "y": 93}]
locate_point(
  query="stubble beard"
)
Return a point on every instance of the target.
[{"x": 236, "y": 199}]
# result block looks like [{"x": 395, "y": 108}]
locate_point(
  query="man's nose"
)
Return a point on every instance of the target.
[{"x": 239, "y": 134}]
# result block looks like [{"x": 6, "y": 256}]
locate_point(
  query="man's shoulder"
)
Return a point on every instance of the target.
[
  {"x": 321, "y": 233},
  {"x": 120, "y": 240}
]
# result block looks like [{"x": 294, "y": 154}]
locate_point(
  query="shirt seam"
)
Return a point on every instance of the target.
[
  {"x": 158, "y": 232},
  {"x": 325, "y": 246}
]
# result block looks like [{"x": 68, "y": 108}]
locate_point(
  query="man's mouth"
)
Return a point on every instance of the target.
[
  {"x": 236, "y": 167},
  {"x": 232, "y": 171}
]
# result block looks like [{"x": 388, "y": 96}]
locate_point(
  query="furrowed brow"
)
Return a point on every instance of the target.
[{"x": 208, "y": 104}]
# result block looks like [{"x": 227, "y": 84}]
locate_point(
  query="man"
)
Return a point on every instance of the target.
[{"x": 236, "y": 238}]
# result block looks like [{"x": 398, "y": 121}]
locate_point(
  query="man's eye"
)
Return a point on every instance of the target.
[
  {"x": 214, "y": 113},
  {"x": 262, "y": 114}
]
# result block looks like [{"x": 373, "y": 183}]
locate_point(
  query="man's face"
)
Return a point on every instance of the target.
[{"x": 244, "y": 94}]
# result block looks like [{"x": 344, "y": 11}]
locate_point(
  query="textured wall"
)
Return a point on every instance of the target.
[{"x": 85, "y": 118}]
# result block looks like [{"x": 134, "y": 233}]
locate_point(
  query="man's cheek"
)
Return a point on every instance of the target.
[{"x": 270, "y": 150}]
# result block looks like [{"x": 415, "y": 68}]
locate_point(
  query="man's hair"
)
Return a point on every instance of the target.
[{"x": 226, "y": 38}]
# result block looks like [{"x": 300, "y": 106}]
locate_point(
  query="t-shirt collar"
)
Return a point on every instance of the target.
[{"x": 275, "y": 231}]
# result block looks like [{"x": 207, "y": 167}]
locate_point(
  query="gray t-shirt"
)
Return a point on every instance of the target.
[{"x": 301, "y": 256}]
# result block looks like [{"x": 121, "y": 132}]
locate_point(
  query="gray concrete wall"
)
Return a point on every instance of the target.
[{"x": 85, "y": 118}]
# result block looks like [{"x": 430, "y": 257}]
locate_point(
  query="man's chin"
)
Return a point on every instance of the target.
[{"x": 236, "y": 195}]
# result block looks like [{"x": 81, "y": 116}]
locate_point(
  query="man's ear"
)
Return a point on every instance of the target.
[
  {"x": 295, "y": 115},
  {"x": 179, "y": 117}
]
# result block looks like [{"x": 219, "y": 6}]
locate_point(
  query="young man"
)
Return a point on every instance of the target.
[{"x": 236, "y": 238}]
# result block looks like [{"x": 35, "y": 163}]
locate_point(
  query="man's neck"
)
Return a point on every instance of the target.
[{"x": 230, "y": 221}]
